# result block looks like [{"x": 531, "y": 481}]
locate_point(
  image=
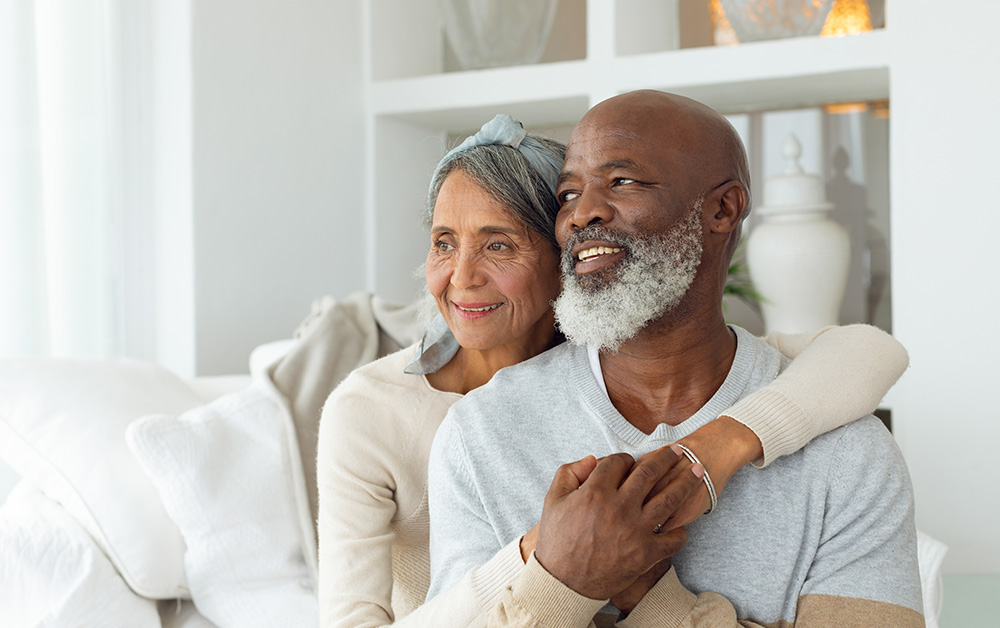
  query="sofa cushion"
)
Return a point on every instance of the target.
[
  {"x": 53, "y": 574},
  {"x": 62, "y": 427},
  {"x": 230, "y": 477}
]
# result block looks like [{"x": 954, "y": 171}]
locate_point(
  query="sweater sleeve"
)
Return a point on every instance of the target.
[
  {"x": 538, "y": 600},
  {"x": 670, "y": 605},
  {"x": 837, "y": 375},
  {"x": 356, "y": 483},
  {"x": 469, "y": 601},
  {"x": 359, "y": 479}
]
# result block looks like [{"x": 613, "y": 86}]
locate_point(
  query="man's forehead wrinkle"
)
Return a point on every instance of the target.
[{"x": 619, "y": 164}]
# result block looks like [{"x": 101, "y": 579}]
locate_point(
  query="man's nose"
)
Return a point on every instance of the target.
[{"x": 591, "y": 207}]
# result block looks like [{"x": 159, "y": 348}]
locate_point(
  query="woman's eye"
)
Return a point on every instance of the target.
[
  {"x": 441, "y": 245},
  {"x": 498, "y": 246}
]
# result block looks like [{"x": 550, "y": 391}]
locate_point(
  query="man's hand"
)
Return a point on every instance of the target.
[
  {"x": 581, "y": 469},
  {"x": 596, "y": 536}
]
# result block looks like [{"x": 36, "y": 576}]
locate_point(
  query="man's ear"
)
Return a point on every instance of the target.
[{"x": 729, "y": 208}]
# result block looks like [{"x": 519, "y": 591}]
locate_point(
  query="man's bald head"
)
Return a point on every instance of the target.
[{"x": 711, "y": 146}]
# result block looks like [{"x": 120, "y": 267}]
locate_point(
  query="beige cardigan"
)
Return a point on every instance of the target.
[{"x": 375, "y": 437}]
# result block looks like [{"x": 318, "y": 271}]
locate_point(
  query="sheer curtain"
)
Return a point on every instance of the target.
[{"x": 61, "y": 178}]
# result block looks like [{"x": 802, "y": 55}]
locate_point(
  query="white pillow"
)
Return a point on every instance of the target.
[
  {"x": 224, "y": 473},
  {"x": 62, "y": 427},
  {"x": 53, "y": 574}
]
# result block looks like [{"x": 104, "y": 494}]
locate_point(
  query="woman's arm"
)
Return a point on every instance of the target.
[
  {"x": 372, "y": 480},
  {"x": 837, "y": 375},
  {"x": 356, "y": 508}
]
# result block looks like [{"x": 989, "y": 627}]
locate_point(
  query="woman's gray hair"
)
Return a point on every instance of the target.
[{"x": 504, "y": 172}]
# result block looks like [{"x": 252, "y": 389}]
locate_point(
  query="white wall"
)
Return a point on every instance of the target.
[
  {"x": 277, "y": 154},
  {"x": 945, "y": 223}
]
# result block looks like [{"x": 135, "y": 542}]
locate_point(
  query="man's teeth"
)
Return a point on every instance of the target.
[
  {"x": 595, "y": 251},
  {"x": 479, "y": 309}
]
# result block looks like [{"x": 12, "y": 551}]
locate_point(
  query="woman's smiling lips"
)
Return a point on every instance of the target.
[
  {"x": 475, "y": 310},
  {"x": 592, "y": 256}
]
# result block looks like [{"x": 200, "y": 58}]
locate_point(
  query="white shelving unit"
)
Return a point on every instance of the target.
[
  {"x": 934, "y": 64},
  {"x": 414, "y": 105}
]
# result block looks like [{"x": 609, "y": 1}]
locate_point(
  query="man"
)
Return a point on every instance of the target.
[{"x": 653, "y": 195}]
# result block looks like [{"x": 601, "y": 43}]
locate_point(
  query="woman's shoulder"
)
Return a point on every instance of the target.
[
  {"x": 380, "y": 393},
  {"x": 385, "y": 371}
]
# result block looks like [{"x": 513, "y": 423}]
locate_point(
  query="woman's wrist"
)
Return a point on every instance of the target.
[{"x": 724, "y": 446}]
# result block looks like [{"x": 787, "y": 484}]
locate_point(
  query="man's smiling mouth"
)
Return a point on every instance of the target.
[{"x": 596, "y": 251}]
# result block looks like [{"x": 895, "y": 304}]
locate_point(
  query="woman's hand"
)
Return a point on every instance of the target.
[{"x": 723, "y": 446}]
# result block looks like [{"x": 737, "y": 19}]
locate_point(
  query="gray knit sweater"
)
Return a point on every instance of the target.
[{"x": 835, "y": 519}]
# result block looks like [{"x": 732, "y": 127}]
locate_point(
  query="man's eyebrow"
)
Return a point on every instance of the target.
[{"x": 614, "y": 164}]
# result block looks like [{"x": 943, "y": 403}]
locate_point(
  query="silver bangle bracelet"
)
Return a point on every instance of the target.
[{"x": 708, "y": 480}]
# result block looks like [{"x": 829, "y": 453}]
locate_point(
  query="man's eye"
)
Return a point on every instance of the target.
[
  {"x": 566, "y": 197},
  {"x": 498, "y": 246},
  {"x": 623, "y": 181}
]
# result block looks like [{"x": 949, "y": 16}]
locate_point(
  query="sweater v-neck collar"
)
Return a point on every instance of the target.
[{"x": 589, "y": 379}]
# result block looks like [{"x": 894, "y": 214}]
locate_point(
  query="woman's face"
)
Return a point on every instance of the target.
[{"x": 491, "y": 276}]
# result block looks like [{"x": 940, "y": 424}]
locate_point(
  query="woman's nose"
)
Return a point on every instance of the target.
[{"x": 467, "y": 272}]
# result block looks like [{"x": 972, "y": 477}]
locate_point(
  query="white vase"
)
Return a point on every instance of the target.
[
  {"x": 495, "y": 33},
  {"x": 798, "y": 258}
]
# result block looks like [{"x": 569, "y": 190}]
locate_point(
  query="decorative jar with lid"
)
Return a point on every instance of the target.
[{"x": 798, "y": 258}]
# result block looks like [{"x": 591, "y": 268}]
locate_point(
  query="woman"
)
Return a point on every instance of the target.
[{"x": 493, "y": 270}]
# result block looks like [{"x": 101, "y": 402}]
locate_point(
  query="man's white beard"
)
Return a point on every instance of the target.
[{"x": 651, "y": 280}]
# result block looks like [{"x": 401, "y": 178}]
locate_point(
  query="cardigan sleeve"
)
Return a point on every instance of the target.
[
  {"x": 361, "y": 473},
  {"x": 356, "y": 482},
  {"x": 837, "y": 375},
  {"x": 670, "y": 605}
]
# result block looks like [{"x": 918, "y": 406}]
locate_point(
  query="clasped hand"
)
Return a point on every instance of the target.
[{"x": 597, "y": 533}]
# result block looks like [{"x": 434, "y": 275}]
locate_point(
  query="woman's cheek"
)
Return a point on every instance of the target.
[
  {"x": 516, "y": 276},
  {"x": 436, "y": 274}
]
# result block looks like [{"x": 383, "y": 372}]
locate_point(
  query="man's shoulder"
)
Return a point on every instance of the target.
[
  {"x": 516, "y": 395},
  {"x": 860, "y": 456},
  {"x": 864, "y": 437},
  {"x": 522, "y": 381}
]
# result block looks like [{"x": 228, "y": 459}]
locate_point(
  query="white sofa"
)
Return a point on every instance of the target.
[
  {"x": 85, "y": 538},
  {"x": 147, "y": 500}
]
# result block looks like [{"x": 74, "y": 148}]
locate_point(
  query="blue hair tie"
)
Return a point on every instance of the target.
[{"x": 507, "y": 131}]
